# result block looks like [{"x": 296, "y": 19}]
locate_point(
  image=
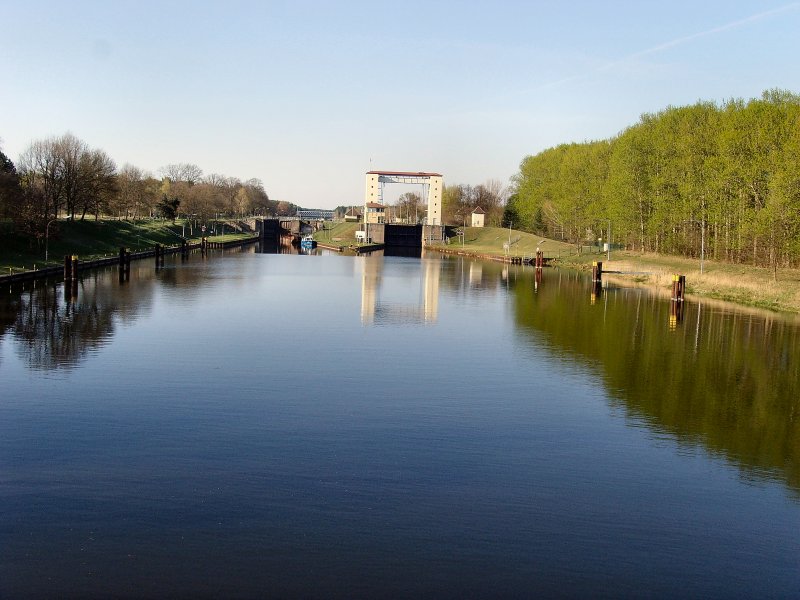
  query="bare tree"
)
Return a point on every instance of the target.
[
  {"x": 40, "y": 168},
  {"x": 185, "y": 172},
  {"x": 70, "y": 151},
  {"x": 97, "y": 182}
]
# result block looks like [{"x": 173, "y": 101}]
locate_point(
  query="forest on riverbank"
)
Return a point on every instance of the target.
[
  {"x": 62, "y": 177},
  {"x": 720, "y": 180}
]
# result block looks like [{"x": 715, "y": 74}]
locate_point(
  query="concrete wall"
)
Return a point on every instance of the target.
[
  {"x": 376, "y": 232},
  {"x": 432, "y": 233}
]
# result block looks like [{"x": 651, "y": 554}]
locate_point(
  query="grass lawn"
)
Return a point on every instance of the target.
[
  {"x": 338, "y": 234},
  {"x": 491, "y": 240}
]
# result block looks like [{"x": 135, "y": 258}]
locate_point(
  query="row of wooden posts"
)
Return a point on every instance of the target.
[
  {"x": 676, "y": 307},
  {"x": 678, "y": 281},
  {"x": 71, "y": 263}
]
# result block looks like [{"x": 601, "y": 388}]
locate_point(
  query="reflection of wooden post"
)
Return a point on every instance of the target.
[
  {"x": 158, "y": 255},
  {"x": 675, "y": 314},
  {"x": 124, "y": 264},
  {"x": 72, "y": 283}
]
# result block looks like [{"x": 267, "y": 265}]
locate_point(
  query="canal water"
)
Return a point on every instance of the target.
[{"x": 251, "y": 425}]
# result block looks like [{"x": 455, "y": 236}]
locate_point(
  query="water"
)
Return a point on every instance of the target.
[{"x": 327, "y": 426}]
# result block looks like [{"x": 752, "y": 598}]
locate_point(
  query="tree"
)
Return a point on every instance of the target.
[
  {"x": 186, "y": 172},
  {"x": 410, "y": 208},
  {"x": 168, "y": 207},
  {"x": 40, "y": 167},
  {"x": 97, "y": 183},
  {"x": 10, "y": 191}
]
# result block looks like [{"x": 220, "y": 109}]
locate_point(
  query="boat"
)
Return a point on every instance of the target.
[{"x": 308, "y": 242}]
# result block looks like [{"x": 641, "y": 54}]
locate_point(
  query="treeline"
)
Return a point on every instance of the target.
[
  {"x": 723, "y": 180},
  {"x": 62, "y": 177},
  {"x": 458, "y": 202}
]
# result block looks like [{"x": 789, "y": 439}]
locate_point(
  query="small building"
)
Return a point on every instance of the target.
[
  {"x": 376, "y": 213},
  {"x": 478, "y": 217},
  {"x": 353, "y": 215}
]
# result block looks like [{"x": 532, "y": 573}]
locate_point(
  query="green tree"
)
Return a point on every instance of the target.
[
  {"x": 168, "y": 207},
  {"x": 10, "y": 191}
]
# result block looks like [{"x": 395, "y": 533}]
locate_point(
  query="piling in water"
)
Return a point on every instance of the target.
[{"x": 678, "y": 287}]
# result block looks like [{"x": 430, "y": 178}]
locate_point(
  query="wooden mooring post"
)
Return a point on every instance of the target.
[
  {"x": 539, "y": 259},
  {"x": 70, "y": 277},
  {"x": 124, "y": 264},
  {"x": 597, "y": 273},
  {"x": 677, "y": 304},
  {"x": 678, "y": 287},
  {"x": 597, "y": 281}
]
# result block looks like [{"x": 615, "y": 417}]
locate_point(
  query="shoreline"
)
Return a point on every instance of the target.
[{"x": 740, "y": 285}]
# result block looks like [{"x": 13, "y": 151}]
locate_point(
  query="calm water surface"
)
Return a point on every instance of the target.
[{"x": 327, "y": 426}]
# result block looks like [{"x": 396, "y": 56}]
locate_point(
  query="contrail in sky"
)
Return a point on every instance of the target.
[
  {"x": 701, "y": 34},
  {"x": 677, "y": 42}
]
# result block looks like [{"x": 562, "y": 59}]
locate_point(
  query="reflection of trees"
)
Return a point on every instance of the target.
[
  {"x": 730, "y": 382},
  {"x": 56, "y": 331},
  {"x": 53, "y": 332}
]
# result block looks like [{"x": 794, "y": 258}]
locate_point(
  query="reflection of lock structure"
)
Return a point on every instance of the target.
[{"x": 372, "y": 309}]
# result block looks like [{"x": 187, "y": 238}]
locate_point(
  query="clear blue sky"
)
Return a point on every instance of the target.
[{"x": 303, "y": 95}]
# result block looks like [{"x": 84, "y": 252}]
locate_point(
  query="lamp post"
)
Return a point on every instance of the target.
[{"x": 47, "y": 239}]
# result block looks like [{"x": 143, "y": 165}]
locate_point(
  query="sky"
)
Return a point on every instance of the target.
[{"x": 308, "y": 95}]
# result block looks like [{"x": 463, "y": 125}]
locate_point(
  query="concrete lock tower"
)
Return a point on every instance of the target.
[{"x": 373, "y": 195}]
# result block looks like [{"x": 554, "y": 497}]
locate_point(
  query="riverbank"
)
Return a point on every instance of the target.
[
  {"x": 95, "y": 240},
  {"x": 741, "y": 284}
]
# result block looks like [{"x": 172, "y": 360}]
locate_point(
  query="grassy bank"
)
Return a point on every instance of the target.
[
  {"x": 340, "y": 235},
  {"x": 492, "y": 240},
  {"x": 742, "y": 284},
  {"x": 91, "y": 239}
]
